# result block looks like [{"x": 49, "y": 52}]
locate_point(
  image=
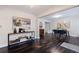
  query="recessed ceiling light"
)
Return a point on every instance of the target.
[
  {"x": 32, "y": 6},
  {"x": 57, "y": 16}
]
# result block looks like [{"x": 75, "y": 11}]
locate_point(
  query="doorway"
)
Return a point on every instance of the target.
[{"x": 47, "y": 27}]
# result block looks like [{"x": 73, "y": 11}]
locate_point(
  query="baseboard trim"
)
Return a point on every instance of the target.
[{"x": 73, "y": 36}]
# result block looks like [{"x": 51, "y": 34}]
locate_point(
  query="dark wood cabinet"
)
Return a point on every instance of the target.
[{"x": 41, "y": 33}]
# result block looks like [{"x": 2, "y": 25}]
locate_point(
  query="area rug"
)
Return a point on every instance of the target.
[{"x": 70, "y": 46}]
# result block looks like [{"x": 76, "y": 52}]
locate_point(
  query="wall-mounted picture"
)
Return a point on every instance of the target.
[
  {"x": 18, "y": 21},
  {"x": 21, "y": 23},
  {"x": 63, "y": 25}
]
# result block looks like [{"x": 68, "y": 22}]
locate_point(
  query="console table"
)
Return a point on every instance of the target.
[
  {"x": 20, "y": 42},
  {"x": 58, "y": 34}
]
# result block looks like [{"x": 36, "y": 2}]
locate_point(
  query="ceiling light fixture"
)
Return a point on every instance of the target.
[
  {"x": 32, "y": 6},
  {"x": 57, "y": 16}
]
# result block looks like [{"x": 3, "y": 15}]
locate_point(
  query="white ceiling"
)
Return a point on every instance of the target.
[
  {"x": 35, "y": 10},
  {"x": 38, "y": 10},
  {"x": 64, "y": 14}
]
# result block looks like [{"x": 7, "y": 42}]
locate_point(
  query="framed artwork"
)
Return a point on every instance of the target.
[
  {"x": 18, "y": 21},
  {"x": 40, "y": 25},
  {"x": 21, "y": 23},
  {"x": 63, "y": 25}
]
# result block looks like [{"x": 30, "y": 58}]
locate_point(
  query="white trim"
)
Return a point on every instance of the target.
[{"x": 74, "y": 35}]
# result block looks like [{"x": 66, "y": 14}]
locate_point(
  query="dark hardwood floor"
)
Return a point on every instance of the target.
[{"x": 48, "y": 45}]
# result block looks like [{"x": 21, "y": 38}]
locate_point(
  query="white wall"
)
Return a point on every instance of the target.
[
  {"x": 6, "y": 23},
  {"x": 74, "y": 24}
]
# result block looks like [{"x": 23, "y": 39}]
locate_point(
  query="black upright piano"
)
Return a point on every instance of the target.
[{"x": 61, "y": 35}]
